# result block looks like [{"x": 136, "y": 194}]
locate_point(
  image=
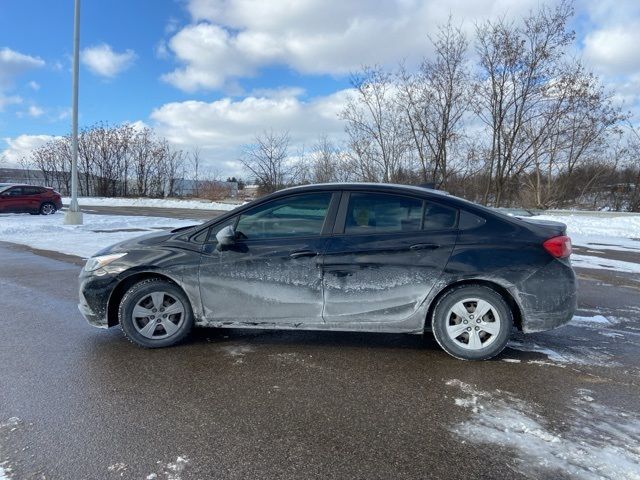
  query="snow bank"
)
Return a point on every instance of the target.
[
  {"x": 584, "y": 225},
  {"x": 150, "y": 202},
  {"x": 98, "y": 231},
  {"x": 598, "y": 232}
]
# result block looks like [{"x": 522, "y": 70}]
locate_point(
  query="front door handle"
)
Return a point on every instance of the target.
[
  {"x": 303, "y": 253},
  {"x": 424, "y": 246}
]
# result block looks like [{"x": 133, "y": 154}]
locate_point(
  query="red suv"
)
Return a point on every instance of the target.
[{"x": 29, "y": 199}]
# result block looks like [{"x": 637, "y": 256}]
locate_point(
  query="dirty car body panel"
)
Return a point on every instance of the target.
[{"x": 366, "y": 257}]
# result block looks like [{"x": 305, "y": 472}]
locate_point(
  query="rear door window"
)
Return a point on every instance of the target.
[
  {"x": 382, "y": 213},
  {"x": 439, "y": 217}
]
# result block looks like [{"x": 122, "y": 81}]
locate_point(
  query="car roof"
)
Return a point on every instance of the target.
[
  {"x": 22, "y": 185},
  {"x": 424, "y": 192},
  {"x": 362, "y": 186}
]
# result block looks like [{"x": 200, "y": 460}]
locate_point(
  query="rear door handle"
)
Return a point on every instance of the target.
[
  {"x": 303, "y": 253},
  {"x": 424, "y": 246}
]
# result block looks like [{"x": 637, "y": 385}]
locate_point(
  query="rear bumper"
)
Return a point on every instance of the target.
[{"x": 548, "y": 298}]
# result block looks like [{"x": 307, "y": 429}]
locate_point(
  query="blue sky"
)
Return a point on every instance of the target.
[{"x": 212, "y": 73}]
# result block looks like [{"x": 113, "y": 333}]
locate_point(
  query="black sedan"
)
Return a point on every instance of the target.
[{"x": 349, "y": 257}]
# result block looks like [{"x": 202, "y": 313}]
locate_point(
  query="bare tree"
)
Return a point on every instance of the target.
[
  {"x": 517, "y": 63},
  {"x": 327, "y": 162},
  {"x": 580, "y": 129},
  {"x": 267, "y": 161},
  {"x": 194, "y": 163},
  {"x": 435, "y": 101},
  {"x": 378, "y": 142}
]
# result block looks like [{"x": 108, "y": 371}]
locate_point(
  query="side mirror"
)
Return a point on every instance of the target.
[{"x": 225, "y": 237}]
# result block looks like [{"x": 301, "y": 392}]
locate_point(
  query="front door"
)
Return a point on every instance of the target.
[
  {"x": 271, "y": 273},
  {"x": 385, "y": 257},
  {"x": 13, "y": 200}
]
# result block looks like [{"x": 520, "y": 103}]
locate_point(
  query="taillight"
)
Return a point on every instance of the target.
[{"x": 559, "y": 247}]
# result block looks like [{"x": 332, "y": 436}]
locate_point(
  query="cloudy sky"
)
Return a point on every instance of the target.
[{"x": 212, "y": 73}]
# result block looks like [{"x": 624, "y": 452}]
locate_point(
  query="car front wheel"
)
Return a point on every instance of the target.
[
  {"x": 155, "y": 313},
  {"x": 472, "y": 322}
]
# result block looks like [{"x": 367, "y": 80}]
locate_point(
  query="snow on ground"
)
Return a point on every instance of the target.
[
  {"x": 599, "y": 263},
  {"x": 595, "y": 319},
  {"x": 98, "y": 231},
  {"x": 150, "y": 202},
  {"x": 6, "y": 428},
  {"x": 560, "y": 356},
  {"x": 559, "y": 353},
  {"x": 594, "y": 442},
  {"x": 3, "y": 473}
]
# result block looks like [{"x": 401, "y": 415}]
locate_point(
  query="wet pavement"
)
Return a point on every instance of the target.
[{"x": 82, "y": 403}]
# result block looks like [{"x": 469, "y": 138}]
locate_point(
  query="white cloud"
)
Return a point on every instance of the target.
[
  {"x": 614, "y": 49},
  {"x": 14, "y": 63},
  {"x": 35, "y": 111},
  {"x": 235, "y": 38},
  {"x": 34, "y": 85},
  {"x": 609, "y": 47},
  {"x": 22, "y": 145},
  {"x": 9, "y": 100},
  {"x": 103, "y": 61},
  {"x": 221, "y": 127}
]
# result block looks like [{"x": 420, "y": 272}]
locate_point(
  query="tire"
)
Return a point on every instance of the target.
[
  {"x": 47, "y": 208},
  {"x": 154, "y": 297},
  {"x": 477, "y": 338}
]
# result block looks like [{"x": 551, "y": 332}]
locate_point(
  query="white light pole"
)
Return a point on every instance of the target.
[{"x": 74, "y": 215}]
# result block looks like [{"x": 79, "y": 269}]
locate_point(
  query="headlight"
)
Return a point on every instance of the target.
[{"x": 94, "y": 263}]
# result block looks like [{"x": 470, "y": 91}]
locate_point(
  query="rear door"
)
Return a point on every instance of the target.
[
  {"x": 271, "y": 273},
  {"x": 386, "y": 254},
  {"x": 32, "y": 197}
]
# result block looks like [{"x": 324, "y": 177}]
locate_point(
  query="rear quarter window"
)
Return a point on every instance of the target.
[{"x": 470, "y": 220}]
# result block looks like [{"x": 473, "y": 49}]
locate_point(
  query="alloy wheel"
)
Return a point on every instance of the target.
[
  {"x": 473, "y": 323},
  {"x": 158, "y": 315}
]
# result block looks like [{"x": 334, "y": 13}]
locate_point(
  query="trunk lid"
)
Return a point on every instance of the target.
[{"x": 548, "y": 228}]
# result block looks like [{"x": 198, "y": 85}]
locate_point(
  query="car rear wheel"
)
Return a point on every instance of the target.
[
  {"x": 472, "y": 322},
  {"x": 47, "y": 208},
  {"x": 155, "y": 313}
]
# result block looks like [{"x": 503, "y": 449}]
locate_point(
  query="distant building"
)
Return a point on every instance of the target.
[{"x": 20, "y": 175}]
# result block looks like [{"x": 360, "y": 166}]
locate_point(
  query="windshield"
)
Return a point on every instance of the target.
[{"x": 4, "y": 187}]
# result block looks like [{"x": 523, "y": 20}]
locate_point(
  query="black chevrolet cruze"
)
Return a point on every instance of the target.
[{"x": 349, "y": 257}]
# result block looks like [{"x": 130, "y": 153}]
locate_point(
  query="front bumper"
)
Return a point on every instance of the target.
[
  {"x": 548, "y": 298},
  {"x": 94, "y": 294}
]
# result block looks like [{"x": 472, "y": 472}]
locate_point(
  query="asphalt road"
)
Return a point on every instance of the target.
[{"x": 82, "y": 403}]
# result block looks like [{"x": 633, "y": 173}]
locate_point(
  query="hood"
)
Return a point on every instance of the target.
[{"x": 149, "y": 239}]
